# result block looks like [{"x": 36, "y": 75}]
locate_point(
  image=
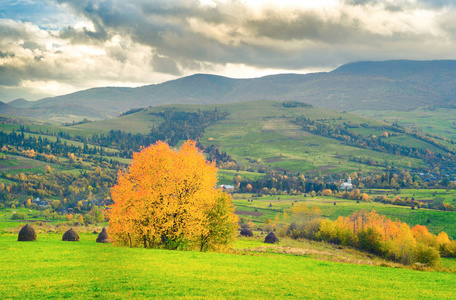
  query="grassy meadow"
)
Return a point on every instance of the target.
[
  {"x": 263, "y": 133},
  {"x": 273, "y": 207},
  {"x": 439, "y": 121},
  {"x": 52, "y": 269},
  {"x": 257, "y": 135}
]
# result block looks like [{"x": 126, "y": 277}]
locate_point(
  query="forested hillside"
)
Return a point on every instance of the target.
[{"x": 261, "y": 146}]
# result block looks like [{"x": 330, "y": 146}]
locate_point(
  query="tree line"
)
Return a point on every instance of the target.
[{"x": 381, "y": 143}]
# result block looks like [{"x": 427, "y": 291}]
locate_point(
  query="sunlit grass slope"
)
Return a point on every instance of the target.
[
  {"x": 439, "y": 121},
  {"x": 50, "y": 269},
  {"x": 264, "y": 133}
]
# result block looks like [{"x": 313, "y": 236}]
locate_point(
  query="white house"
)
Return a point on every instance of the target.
[
  {"x": 228, "y": 188},
  {"x": 346, "y": 185}
]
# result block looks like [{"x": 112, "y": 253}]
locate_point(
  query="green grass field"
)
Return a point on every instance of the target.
[
  {"x": 265, "y": 130},
  {"x": 52, "y": 269},
  {"x": 15, "y": 164},
  {"x": 438, "y": 121},
  {"x": 262, "y": 134},
  {"x": 424, "y": 195},
  {"x": 140, "y": 122},
  {"x": 438, "y": 220}
]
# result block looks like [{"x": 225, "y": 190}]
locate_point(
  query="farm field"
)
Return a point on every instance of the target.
[
  {"x": 263, "y": 133},
  {"x": 50, "y": 268},
  {"x": 267, "y": 133},
  {"x": 439, "y": 121},
  {"x": 438, "y": 220},
  {"x": 14, "y": 164},
  {"x": 423, "y": 195},
  {"x": 140, "y": 122},
  {"x": 226, "y": 176}
]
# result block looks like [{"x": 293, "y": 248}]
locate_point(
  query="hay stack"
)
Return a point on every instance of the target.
[
  {"x": 103, "y": 237},
  {"x": 246, "y": 232},
  {"x": 27, "y": 234},
  {"x": 271, "y": 238},
  {"x": 70, "y": 236}
]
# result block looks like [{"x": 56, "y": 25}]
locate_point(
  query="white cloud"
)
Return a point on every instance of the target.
[{"x": 114, "y": 42}]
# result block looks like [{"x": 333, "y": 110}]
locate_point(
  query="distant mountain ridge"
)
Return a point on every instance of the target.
[
  {"x": 395, "y": 85},
  {"x": 6, "y": 108}
]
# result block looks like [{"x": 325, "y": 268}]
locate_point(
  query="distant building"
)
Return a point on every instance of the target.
[
  {"x": 227, "y": 188},
  {"x": 346, "y": 185}
]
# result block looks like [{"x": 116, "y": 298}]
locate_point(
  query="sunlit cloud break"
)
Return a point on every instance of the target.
[{"x": 55, "y": 47}]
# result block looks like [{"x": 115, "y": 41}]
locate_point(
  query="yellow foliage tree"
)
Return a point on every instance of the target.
[
  {"x": 55, "y": 204},
  {"x": 81, "y": 219},
  {"x": 168, "y": 199}
]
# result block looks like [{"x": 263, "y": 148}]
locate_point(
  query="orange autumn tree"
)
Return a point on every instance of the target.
[{"x": 168, "y": 199}]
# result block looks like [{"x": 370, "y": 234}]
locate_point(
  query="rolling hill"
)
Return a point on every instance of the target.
[
  {"x": 265, "y": 135},
  {"x": 389, "y": 85},
  {"x": 6, "y": 109}
]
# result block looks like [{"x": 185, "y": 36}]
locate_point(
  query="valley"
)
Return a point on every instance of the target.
[{"x": 284, "y": 163}]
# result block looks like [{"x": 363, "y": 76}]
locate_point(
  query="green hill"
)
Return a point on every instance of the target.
[{"x": 264, "y": 134}]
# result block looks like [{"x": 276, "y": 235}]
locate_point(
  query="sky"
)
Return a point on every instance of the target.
[{"x": 55, "y": 47}]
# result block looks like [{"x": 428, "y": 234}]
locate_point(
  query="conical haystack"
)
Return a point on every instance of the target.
[
  {"x": 271, "y": 238},
  {"x": 70, "y": 236},
  {"x": 27, "y": 234},
  {"x": 103, "y": 237},
  {"x": 246, "y": 232}
]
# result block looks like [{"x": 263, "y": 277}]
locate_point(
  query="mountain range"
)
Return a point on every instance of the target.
[{"x": 386, "y": 85}]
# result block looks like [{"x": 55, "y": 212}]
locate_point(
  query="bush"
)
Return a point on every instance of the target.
[
  {"x": 427, "y": 255},
  {"x": 449, "y": 249},
  {"x": 292, "y": 231},
  {"x": 333, "y": 234},
  {"x": 18, "y": 216},
  {"x": 311, "y": 228},
  {"x": 370, "y": 240}
]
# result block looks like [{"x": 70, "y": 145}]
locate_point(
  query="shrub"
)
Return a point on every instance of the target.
[
  {"x": 427, "y": 255},
  {"x": 18, "y": 216},
  {"x": 311, "y": 228},
  {"x": 370, "y": 240},
  {"x": 292, "y": 230},
  {"x": 449, "y": 249},
  {"x": 332, "y": 233}
]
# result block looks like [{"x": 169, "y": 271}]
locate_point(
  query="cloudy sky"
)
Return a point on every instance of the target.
[{"x": 53, "y": 47}]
